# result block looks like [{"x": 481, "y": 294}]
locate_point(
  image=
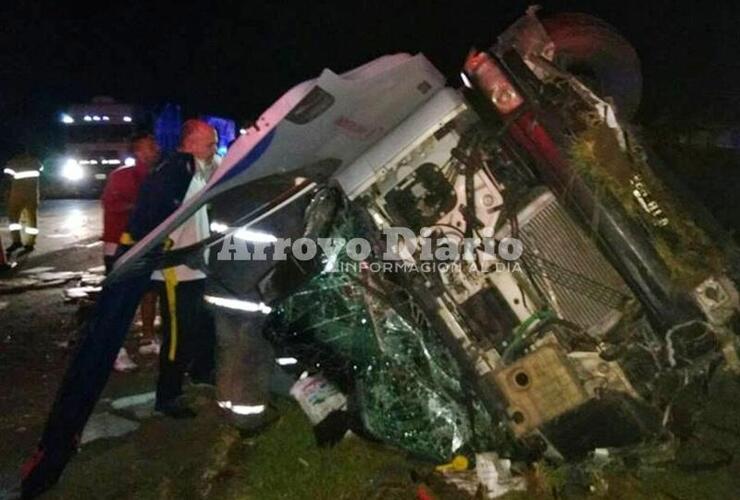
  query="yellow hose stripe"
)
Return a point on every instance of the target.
[{"x": 170, "y": 282}]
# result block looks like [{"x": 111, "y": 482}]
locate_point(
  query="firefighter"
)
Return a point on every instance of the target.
[
  {"x": 237, "y": 293},
  {"x": 24, "y": 170}
]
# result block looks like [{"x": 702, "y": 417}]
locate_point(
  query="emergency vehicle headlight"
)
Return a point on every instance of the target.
[{"x": 72, "y": 170}]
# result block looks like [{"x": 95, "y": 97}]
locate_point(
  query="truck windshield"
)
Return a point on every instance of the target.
[{"x": 99, "y": 133}]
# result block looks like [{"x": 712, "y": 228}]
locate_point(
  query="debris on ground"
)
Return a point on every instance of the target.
[
  {"x": 458, "y": 474},
  {"x": 92, "y": 277},
  {"x": 88, "y": 286},
  {"x": 81, "y": 293},
  {"x": 325, "y": 406},
  {"x": 318, "y": 397},
  {"x": 458, "y": 464},
  {"x": 495, "y": 475},
  {"x": 466, "y": 482},
  {"x": 490, "y": 478},
  {"x": 17, "y": 285},
  {"x": 89, "y": 245},
  {"x": 134, "y": 400},
  {"x": 37, "y": 270},
  {"x": 42, "y": 277},
  {"x": 107, "y": 425}
]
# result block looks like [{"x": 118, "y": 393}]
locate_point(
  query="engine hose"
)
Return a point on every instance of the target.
[
  {"x": 524, "y": 341},
  {"x": 521, "y": 332}
]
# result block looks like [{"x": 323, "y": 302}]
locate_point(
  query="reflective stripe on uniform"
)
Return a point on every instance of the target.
[
  {"x": 241, "y": 409},
  {"x": 32, "y": 230},
  {"x": 26, "y": 175},
  {"x": 170, "y": 282},
  {"x": 15, "y": 227},
  {"x": 239, "y": 305}
]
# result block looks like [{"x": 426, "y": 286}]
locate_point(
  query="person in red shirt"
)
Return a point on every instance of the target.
[{"x": 119, "y": 198}]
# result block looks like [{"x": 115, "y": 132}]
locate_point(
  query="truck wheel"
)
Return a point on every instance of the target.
[{"x": 601, "y": 58}]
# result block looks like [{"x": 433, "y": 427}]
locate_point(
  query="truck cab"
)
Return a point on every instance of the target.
[{"x": 96, "y": 142}]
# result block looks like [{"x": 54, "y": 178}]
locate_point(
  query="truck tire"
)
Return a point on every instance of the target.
[{"x": 594, "y": 52}]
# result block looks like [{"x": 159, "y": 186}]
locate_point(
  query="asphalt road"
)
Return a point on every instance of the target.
[{"x": 62, "y": 224}]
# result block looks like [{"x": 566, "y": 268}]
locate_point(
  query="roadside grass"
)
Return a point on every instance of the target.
[
  {"x": 285, "y": 462},
  {"x": 206, "y": 458}
]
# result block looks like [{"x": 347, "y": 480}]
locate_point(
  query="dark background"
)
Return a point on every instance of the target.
[{"x": 235, "y": 58}]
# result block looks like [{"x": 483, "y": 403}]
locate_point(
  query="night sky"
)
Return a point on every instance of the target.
[{"x": 235, "y": 58}]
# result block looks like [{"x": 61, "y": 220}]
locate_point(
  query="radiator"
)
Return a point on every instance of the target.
[{"x": 579, "y": 282}]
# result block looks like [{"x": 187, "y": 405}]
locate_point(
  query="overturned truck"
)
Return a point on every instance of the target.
[
  {"x": 580, "y": 282},
  {"x": 531, "y": 280}
]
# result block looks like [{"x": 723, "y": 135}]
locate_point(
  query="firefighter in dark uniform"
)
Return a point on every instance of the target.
[{"x": 24, "y": 171}]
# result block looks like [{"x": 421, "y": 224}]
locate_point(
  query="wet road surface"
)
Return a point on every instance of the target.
[{"x": 62, "y": 224}]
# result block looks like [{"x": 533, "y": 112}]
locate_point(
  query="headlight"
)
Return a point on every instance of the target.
[{"x": 72, "y": 170}]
